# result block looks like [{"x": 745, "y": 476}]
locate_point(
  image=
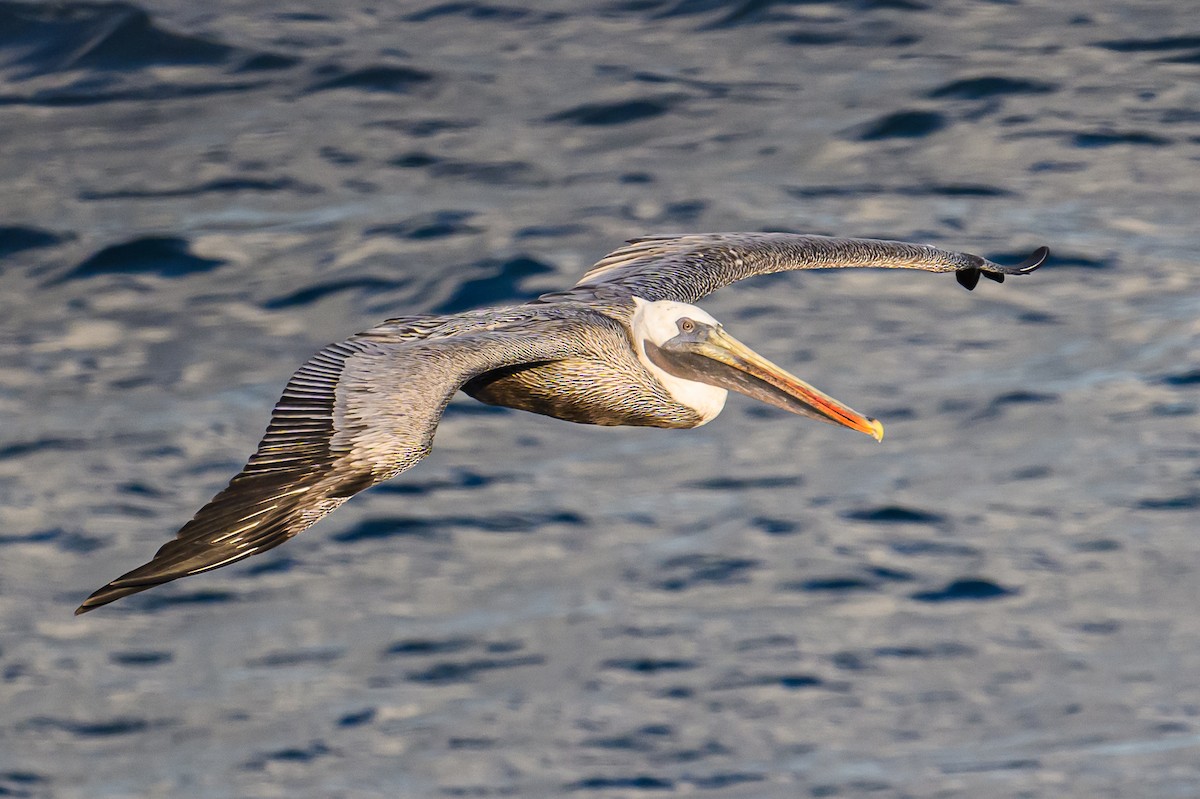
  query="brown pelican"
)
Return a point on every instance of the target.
[{"x": 624, "y": 346}]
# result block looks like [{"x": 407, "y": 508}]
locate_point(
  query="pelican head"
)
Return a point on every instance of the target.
[{"x": 690, "y": 353}]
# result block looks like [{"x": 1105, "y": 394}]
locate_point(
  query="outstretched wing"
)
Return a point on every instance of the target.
[
  {"x": 686, "y": 268},
  {"x": 357, "y": 412}
]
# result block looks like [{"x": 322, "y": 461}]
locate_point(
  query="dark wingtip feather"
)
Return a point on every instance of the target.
[
  {"x": 1034, "y": 261},
  {"x": 968, "y": 277},
  {"x": 107, "y": 594}
]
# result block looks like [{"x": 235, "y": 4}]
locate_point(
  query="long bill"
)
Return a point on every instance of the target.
[{"x": 721, "y": 360}]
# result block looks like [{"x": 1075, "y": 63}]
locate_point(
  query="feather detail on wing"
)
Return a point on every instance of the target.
[
  {"x": 686, "y": 268},
  {"x": 357, "y": 412}
]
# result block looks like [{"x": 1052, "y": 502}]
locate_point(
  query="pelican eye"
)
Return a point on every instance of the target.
[{"x": 686, "y": 325}]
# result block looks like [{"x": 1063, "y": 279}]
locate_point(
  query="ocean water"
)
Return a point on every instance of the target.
[{"x": 999, "y": 600}]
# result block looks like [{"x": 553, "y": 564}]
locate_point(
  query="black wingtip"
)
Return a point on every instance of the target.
[
  {"x": 92, "y": 602},
  {"x": 100, "y": 599},
  {"x": 111, "y": 593},
  {"x": 1034, "y": 261},
  {"x": 968, "y": 278}
]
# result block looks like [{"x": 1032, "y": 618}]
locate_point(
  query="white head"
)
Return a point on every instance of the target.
[
  {"x": 695, "y": 360},
  {"x": 659, "y": 322}
]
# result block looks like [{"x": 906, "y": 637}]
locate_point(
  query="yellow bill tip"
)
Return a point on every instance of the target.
[{"x": 876, "y": 431}]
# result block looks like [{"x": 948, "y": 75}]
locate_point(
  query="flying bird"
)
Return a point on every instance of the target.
[{"x": 624, "y": 346}]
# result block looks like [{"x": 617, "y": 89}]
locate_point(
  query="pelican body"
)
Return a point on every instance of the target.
[{"x": 624, "y": 346}]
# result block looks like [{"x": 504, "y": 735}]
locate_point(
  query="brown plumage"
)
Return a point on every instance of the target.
[{"x": 365, "y": 409}]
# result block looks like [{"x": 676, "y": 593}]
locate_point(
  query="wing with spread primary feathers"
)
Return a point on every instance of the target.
[
  {"x": 356, "y": 413},
  {"x": 686, "y": 268}
]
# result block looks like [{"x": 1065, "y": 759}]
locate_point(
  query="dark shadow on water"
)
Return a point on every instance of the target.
[
  {"x": 1109, "y": 138},
  {"x": 504, "y": 646},
  {"x": 688, "y": 571},
  {"x": 481, "y": 12},
  {"x": 311, "y": 294},
  {"x": 88, "y": 93},
  {"x": 989, "y": 86},
  {"x": 114, "y": 52},
  {"x": 423, "y": 128},
  {"x": 98, "y": 36},
  {"x": 903, "y": 125},
  {"x": 15, "y": 238},
  {"x": 291, "y": 754},
  {"x": 229, "y": 185},
  {"x": 298, "y": 657},
  {"x": 18, "y": 784},
  {"x": 63, "y": 540},
  {"x": 617, "y": 113},
  {"x": 415, "y": 647},
  {"x": 792, "y": 682},
  {"x": 266, "y": 62},
  {"x": 1187, "y": 378},
  {"x": 1185, "y": 42},
  {"x": 23, "y": 448},
  {"x": 490, "y": 173},
  {"x": 432, "y": 225},
  {"x": 737, "y": 13},
  {"x": 776, "y": 526},
  {"x": 1097, "y": 545},
  {"x": 1186, "y": 58},
  {"x": 502, "y": 286},
  {"x": 948, "y": 649},
  {"x": 759, "y": 643},
  {"x": 719, "y": 780},
  {"x": 155, "y": 601},
  {"x": 922, "y": 190},
  {"x": 649, "y": 665},
  {"x": 272, "y": 563},
  {"x": 550, "y": 231},
  {"x": 108, "y": 728},
  {"x": 1023, "y": 398},
  {"x": 933, "y": 548},
  {"x": 389, "y": 527},
  {"x": 744, "y": 483},
  {"x": 894, "y": 514},
  {"x": 1174, "y": 409},
  {"x": 392, "y": 79},
  {"x": 809, "y": 38},
  {"x": 966, "y": 590},
  {"x": 358, "y": 718},
  {"x": 475, "y": 743},
  {"x": 636, "y": 783},
  {"x": 643, "y": 739},
  {"x": 996, "y": 407},
  {"x": 850, "y": 661},
  {"x": 1180, "y": 502},
  {"x": 140, "y": 658},
  {"x": 465, "y": 671},
  {"x": 164, "y": 256},
  {"x": 830, "y": 585},
  {"x": 460, "y": 478}
]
